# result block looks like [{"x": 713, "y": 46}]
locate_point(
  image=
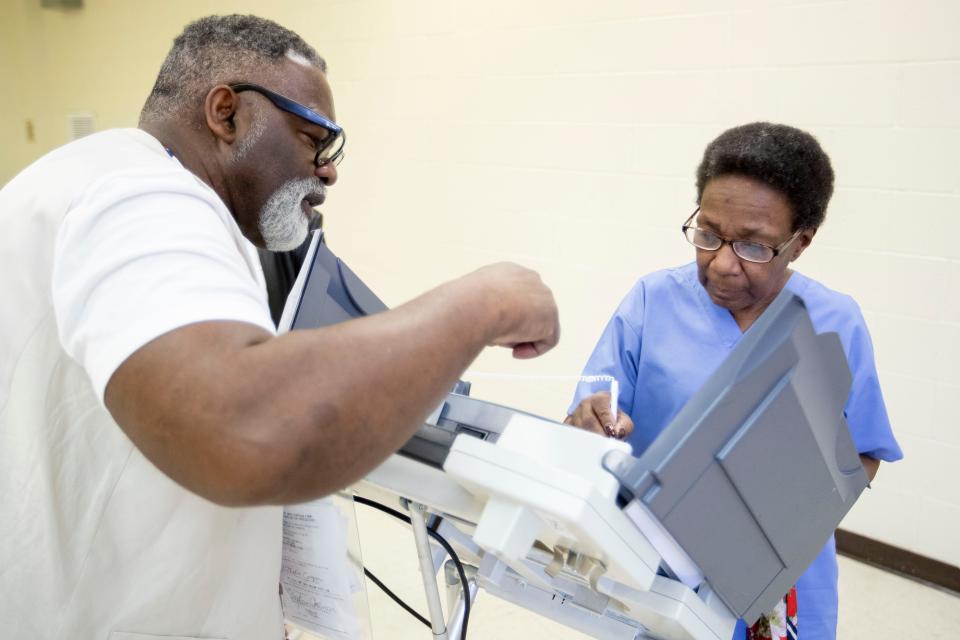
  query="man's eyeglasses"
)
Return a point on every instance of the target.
[
  {"x": 749, "y": 251},
  {"x": 330, "y": 149}
]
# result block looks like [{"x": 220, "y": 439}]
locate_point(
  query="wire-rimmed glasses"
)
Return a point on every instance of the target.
[{"x": 746, "y": 250}]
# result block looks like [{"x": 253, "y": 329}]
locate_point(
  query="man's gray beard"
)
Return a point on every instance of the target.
[{"x": 283, "y": 225}]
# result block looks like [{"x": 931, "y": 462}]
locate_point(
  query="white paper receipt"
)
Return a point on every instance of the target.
[{"x": 315, "y": 578}]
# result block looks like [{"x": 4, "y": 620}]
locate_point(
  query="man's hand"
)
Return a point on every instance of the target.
[
  {"x": 593, "y": 414},
  {"x": 526, "y": 318}
]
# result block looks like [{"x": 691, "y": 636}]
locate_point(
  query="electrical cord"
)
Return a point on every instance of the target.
[
  {"x": 464, "y": 583},
  {"x": 375, "y": 580}
]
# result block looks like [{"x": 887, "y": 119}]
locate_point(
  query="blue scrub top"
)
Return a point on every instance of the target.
[{"x": 667, "y": 337}]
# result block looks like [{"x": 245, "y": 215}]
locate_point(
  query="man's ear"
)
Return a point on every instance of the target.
[
  {"x": 219, "y": 109},
  {"x": 802, "y": 242}
]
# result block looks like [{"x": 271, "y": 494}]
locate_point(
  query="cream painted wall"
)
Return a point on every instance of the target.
[{"x": 564, "y": 135}]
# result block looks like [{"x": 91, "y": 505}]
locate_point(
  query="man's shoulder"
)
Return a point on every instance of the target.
[
  {"x": 96, "y": 158},
  {"x": 97, "y": 171},
  {"x": 111, "y": 148}
]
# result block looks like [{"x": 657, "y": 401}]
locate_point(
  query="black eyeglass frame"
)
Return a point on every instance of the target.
[
  {"x": 284, "y": 103},
  {"x": 775, "y": 251}
]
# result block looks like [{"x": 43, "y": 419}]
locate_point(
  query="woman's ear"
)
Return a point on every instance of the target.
[{"x": 802, "y": 242}]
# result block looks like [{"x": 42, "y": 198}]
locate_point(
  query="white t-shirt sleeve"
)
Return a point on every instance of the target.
[{"x": 142, "y": 254}]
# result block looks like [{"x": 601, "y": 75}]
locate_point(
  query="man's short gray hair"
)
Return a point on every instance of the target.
[{"x": 220, "y": 49}]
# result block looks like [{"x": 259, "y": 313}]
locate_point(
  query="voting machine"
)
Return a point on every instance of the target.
[{"x": 678, "y": 542}]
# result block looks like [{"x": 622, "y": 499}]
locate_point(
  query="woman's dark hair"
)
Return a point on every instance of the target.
[{"x": 787, "y": 159}]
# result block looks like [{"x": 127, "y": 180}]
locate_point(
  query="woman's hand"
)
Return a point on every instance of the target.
[{"x": 593, "y": 414}]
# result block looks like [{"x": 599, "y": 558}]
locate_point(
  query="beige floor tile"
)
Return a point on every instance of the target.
[{"x": 877, "y": 605}]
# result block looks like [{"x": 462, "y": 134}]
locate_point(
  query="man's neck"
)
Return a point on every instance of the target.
[{"x": 187, "y": 151}]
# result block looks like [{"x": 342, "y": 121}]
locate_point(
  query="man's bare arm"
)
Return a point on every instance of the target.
[{"x": 241, "y": 417}]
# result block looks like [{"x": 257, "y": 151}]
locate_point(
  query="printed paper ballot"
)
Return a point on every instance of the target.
[{"x": 317, "y": 581}]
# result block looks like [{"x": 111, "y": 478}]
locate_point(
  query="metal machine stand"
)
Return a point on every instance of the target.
[
  {"x": 456, "y": 597},
  {"x": 452, "y": 629},
  {"x": 427, "y": 569}
]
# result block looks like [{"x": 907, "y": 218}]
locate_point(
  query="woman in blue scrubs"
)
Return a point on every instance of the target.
[{"x": 762, "y": 193}]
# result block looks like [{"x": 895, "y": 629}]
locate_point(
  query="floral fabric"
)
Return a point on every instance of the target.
[{"x": 779, "y": 624}]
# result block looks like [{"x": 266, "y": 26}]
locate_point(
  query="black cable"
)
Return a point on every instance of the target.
[
  {"x": 395, "y": 597},
  {"x": 464, "y": 583}
]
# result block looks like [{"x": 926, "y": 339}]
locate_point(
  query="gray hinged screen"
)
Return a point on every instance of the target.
[{"x": 753, "y": 475}]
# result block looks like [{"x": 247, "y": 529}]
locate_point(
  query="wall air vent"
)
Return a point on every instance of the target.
[
  {"x": 79, "y": 125},
  {"x": 61, "y": 4}
]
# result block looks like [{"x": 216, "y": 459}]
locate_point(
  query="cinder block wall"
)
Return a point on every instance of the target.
[{"x": 564, "y": 135}]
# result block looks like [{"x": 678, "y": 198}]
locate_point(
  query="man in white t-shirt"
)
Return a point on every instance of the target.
[{"x": 150, "y": 418}]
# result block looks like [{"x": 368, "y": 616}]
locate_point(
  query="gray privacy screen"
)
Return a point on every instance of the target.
[{"x": 753, "y": 475}]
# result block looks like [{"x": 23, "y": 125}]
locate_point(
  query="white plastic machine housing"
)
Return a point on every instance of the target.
[{"x": 533, "y": 507}]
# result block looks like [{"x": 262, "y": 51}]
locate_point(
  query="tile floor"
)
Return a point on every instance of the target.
[{"x": 875, "y": 605}]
